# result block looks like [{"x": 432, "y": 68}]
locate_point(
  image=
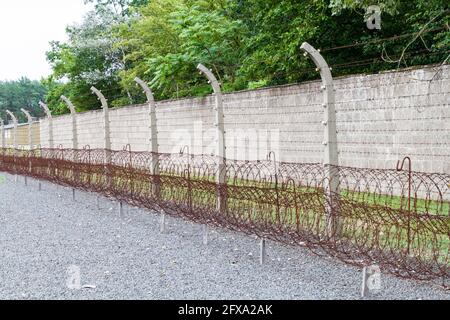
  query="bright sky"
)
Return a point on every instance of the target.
[{"x": 27, "y": 27}]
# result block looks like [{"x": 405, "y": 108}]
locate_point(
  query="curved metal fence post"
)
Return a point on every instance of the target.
[
  {"x": 152, "y": 112},
  {"x": 153, "y": 143},
  {"x": 30, "y": 139},
  {"x": 220, "y": 138},
  {"x": 105, "y": 108},
  {"x": 107, "y": 134},
  {"x": 73, "y": 114},
  {"x": 50, "y": 123},
  {"x": 13, "y": 117},
  {"x": 330, "y": 160},
  {"x": 30, "y": 123}
]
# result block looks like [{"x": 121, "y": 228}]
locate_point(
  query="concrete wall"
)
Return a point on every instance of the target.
[
  {"x": 380, "y": 118},
  {"x": 22, "y": 135}
]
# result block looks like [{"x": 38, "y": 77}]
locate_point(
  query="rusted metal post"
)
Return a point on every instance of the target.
[
  {"x": 220, "y": 139},
  {"x": 2, "y": 135},
  {"x": 331, "y": 160},
  {"x": 187, "y": 175},
  {"x": 73, "y": 114},
  {"x": 153, "y": 143},
  {"x": 50, "y": 123},
  {"x": 400, "y": 168},
  {"x": 127, "y": 148},
  {"x": 272, "y": 157},
  {"x": 40, "y": 154}
]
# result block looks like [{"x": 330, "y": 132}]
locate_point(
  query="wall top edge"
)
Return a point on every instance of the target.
[{"x": 204, "y": 100}]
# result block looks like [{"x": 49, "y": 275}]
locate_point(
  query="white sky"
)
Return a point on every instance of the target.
[{"x": 27, "y": 27}]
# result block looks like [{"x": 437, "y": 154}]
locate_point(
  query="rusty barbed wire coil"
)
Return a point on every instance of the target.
[{"x": 399, "y": 220}]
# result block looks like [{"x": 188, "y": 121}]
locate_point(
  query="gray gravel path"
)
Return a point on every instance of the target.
[{"x": 44, "y": 233}]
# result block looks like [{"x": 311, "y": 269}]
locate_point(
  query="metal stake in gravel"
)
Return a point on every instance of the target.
[
  {"x": 205, "y": 235},
  {"x": 73, "y": 194},
  {"x": 262, "y": 252},
  {"x": 163, "y": 222},
  {"x": 371, "y": 281},
  {"x": 121, "y": 209}
]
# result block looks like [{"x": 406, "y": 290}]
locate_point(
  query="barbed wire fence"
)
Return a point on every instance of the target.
[{"x": 398, "y": 219}]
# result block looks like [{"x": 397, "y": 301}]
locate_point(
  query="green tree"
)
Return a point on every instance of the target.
[
  {"x": 91, "y": 57},
  {"x": 22, "y": 93},
  {"x": 171, "y": 37},
  {"x": 279, "y": 27},
  {"x": 247, "y": 44}
]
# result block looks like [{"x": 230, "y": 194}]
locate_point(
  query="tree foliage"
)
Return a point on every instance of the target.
[
  {"x": 22, "y": 93},
  {"x": 247, "y": 44}
]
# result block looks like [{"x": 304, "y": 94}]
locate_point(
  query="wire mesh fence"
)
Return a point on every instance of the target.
[{"x": 398, "y": 219}]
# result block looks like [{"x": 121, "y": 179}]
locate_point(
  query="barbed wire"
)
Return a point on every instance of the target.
[
  {"x": 397, "y": 219},
  {"x": 374, "y": 41}
]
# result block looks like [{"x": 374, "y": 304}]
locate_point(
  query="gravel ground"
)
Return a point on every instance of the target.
[{"x": 44, "y": 233}]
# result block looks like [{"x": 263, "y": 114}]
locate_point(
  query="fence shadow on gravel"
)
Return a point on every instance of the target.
[{"x": 396, "y": 219}]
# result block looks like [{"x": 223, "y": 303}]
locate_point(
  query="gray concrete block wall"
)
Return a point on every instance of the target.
[
  {"x": 392, "y": 115},
  {"x": 130, "y": 126},
  {"x": 380, "y": 118},
  {"x": 43, "y": 128},
  {"x": 62, "y": 132},
  {"x": 186, "y": 122},
  {"x": 90, "y": 129},
  {"x": 286, "y": 120}
]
